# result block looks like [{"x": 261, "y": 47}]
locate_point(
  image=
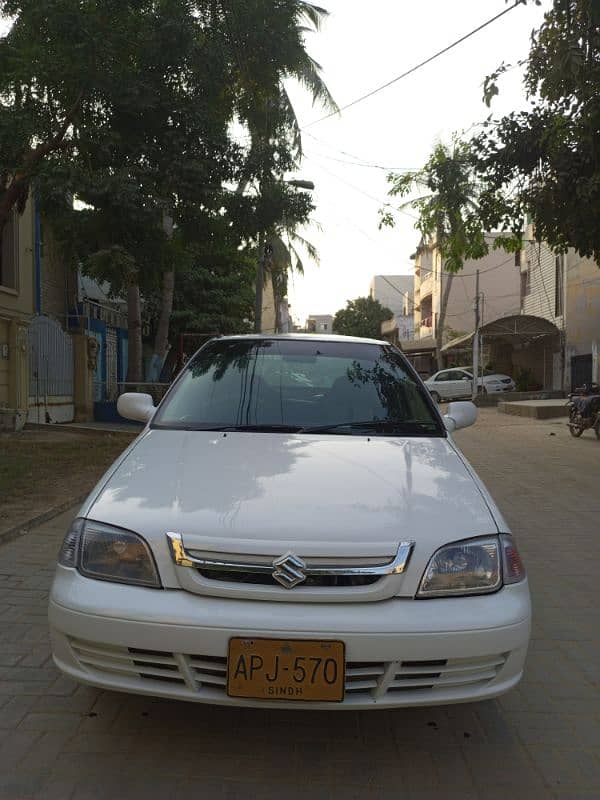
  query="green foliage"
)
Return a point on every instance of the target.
[
  {"x": 447, "y": 207},
  {"x": 128, "y": 106},
  {"x": 543, "y": 164},
  {"x": 361, "y": 317}
]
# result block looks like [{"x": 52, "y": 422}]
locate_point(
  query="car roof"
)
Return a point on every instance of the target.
[{"x": 306, "y": 337}]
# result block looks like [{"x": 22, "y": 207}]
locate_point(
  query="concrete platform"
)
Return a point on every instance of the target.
[{"x": 537, "y": 409}]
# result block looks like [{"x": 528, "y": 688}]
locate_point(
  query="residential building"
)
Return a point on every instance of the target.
[
  {"x": 499, "y": 287},
  {"x": 581, "y": 277},
  {"x": 17, "y": 306},
  {"x": 395, "y": 292},
  {"x": 319, "y": 323}
]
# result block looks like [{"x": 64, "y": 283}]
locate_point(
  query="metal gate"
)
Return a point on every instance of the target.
[
  {"x": 581, "y": 370},
  {"x": 50, "y": 371}
]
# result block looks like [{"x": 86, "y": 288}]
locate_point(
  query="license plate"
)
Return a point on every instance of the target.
[{"x": 286, "y": 669}]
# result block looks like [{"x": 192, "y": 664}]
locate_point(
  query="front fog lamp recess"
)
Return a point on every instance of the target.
[{"x": 106, "y": 553}]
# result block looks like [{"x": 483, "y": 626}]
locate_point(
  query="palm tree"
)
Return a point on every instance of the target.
[{"x": 448, "y": 214}]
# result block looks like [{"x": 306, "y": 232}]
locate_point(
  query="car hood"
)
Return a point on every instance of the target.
[{"x": 263, "y": 493}]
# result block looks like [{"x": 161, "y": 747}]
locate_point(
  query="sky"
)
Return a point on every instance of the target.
[{"x": 361, "y": 46}]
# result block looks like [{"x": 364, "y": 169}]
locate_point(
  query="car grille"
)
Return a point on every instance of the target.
[
  {"x": 505, "y": 380},
  {"x": 197, "y": 673},
  {"x": 257, "y": 579}
]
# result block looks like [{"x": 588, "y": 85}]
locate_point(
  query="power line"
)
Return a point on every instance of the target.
[
  {"x": 404, "y": 294},
  {"x": 359, "y": 190},
  {"x": 357, "y": 161},
  {"x": 417, "y": 66}
]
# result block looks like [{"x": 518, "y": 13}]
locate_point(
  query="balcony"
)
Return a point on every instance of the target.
[{"x": 426, "y": 285}]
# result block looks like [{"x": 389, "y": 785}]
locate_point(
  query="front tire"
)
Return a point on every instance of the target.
[{"x": 576, "y": 426}]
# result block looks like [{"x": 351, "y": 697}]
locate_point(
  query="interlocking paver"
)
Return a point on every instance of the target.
[{"x": 59, "y": 740}]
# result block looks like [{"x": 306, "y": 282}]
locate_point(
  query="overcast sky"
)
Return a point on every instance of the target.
[{"x": 362, "y": 46}]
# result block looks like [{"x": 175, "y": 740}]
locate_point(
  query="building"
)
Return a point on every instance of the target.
[
  {"x": 582, "y": 311},
  {"x": 395, "y": 292},
  {"x": 499, "y": 287},
  {"x": 63, "y": 342},
  {"x": 319, "y": 323},
  {"x": 17, "y": 306},
  {"x": 539, "y": 314}
]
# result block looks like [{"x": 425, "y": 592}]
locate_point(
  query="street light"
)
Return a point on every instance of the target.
[{"x": 265, "y": 251}]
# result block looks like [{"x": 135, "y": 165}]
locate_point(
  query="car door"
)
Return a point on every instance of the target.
[
  {"x": 464, "y": 386},
  {"x": 439, "y": 384}
]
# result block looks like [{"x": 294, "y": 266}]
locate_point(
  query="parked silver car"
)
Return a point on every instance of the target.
[{"x": 452, "y": 384}]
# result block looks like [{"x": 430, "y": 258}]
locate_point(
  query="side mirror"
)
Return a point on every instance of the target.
[
  {"x": 460, "y": 415},
  {"x": 136, "y": 406}
]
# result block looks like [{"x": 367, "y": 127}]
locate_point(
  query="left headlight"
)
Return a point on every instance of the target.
[
  {"x": 472, "y": 566},
  {"x": 109, "y": 554}
]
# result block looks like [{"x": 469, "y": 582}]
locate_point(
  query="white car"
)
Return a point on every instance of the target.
[
  {"x": 455, "y": 383},
  {"x": 294, "y": 527}
]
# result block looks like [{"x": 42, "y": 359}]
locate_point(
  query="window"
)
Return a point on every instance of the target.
[
  {"x": 442, "y": 376},
  {"x": 324, "y": 326},
  {"x": 9, "y": 253},
  {"x": 279, "y": 384},
  {"x": 559, "y": 286}
]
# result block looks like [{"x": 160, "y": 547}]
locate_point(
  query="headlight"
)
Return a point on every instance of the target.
[
  {"x": 109, "y": 554},
  {"x": 473, "y": 566}
]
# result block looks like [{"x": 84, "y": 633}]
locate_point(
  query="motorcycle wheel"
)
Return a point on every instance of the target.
[{"x": 575, "y": 428}]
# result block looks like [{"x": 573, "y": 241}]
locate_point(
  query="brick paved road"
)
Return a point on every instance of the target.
[{"x": 61, "y": 741}]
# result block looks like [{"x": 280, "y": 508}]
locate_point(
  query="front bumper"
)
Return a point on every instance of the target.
[{"x": 399, "y": 652}]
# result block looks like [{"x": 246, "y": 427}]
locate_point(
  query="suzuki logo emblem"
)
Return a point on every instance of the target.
[{"x": 289, "y": 570}]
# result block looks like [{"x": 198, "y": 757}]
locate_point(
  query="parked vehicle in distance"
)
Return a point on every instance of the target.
[
  {"x": 584, "y": 410},
  {"x": 295, "y": 526},
  {"x": 457, "y": 382}
]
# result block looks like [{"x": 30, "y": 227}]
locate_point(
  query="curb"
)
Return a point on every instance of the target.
[{"x": 20, "y": 530}]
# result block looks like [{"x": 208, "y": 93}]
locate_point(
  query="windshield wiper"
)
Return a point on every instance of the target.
[
  {"x": 259, "y": 428},
  {"x": 409, "y": 427}
]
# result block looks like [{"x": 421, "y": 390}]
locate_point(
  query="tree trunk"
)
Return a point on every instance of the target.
[
  {"x": 161, "y": 340},
  {"x": 134, "y": 325},
  {"x": 441, "y": 320}
]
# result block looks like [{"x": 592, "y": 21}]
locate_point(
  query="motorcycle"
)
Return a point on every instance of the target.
[{"x": 584, "y": 410}]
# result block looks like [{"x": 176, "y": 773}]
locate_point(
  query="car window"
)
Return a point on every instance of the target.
[
  {"x": 441, "y": 376},
  {"x": 455, "y": 375},
  {"x": 295, "y": 383}
]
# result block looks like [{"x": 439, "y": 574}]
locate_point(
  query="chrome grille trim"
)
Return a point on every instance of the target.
[{"x": 183, "y": 558}]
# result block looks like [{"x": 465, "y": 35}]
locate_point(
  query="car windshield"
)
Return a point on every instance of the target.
[{"x": 278, "y": 385}]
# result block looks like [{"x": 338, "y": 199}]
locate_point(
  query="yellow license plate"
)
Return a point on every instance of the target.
[{"x": 286, "y": 669}]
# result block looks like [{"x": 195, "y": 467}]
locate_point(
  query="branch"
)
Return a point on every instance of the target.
[{"x": 18, "y": 188}]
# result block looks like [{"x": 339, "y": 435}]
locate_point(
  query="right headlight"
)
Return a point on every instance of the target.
[
  {"x": 107, "y": 553},
  {"x": 472, "y": 566}
]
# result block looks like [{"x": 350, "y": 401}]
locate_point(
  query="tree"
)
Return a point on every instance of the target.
[
  {"x": 543, "y": 164},
  {"x": 449, "y": 216},
  {"x": 361, "y": 317}
]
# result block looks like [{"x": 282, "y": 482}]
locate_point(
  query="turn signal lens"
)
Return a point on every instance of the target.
[
  {"x": 512, "y": 566},
  {"x": 67, "y": 556}
]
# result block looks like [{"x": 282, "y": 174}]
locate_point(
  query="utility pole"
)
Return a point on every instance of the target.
[{"x": 475, "y": 388}]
